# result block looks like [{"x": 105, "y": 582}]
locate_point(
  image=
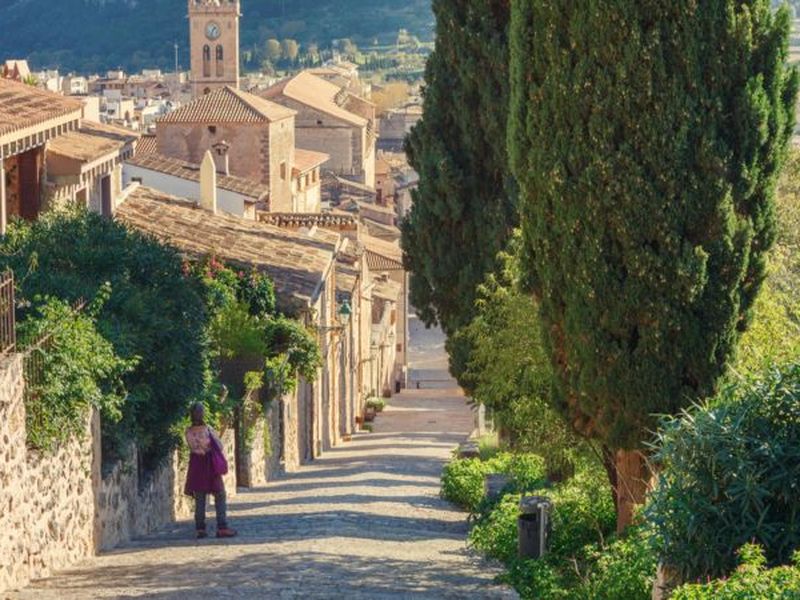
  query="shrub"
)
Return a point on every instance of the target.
[
  {"x": 462, "y": 482},
  {"x": 751, "y": 581},
  {"x": 495, "y": 533},
  {"x": 79, "y": 370},
  {"x": 378, "y": 404},
  {"x": 624, "y": 570},
  {"x": 463, "y": 479},
  {"x": 730, "y": 476}
]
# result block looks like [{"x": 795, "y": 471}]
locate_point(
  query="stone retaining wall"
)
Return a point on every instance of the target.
[
  {"x": 261, "y": 461},
  {"x": 56, "y": 509}
]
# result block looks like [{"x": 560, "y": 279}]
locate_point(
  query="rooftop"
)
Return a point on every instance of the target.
[
  {"x": 228, "y": 105},
  {"x": 91, "y": 142},
  {"x": 381, "y": 254},
  {"x": 23, "y": 106},
  {"x": 148, "y": 144},
  {"x": 297, "y": 262},
  {"x": 185, "y": 170},
  {"x": 307, "y": 220},
  {"x": 305, "y": 160},
  {"x": 315, "y": 92}
]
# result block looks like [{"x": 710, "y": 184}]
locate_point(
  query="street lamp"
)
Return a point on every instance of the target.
[{"x": 342, "y": 315}]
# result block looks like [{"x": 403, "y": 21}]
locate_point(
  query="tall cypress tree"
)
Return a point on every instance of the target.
[
  {"x": 464, "y": 210},
  {"x": 646, "y": 136}
]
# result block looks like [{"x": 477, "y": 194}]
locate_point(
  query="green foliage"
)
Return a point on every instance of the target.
[
  {"x": 509, "y": 370},
  {"x": 236, "y": 333},
  {"x": 464, "y": 209},
  {"x": 378, "y": 404},
  {"x": 774, "y": 335},
  {"x": 79, "y": 369},
  {"x": 578, "y": 563},
  {"x": 752, "y": 580},
  {"x": 647, "y": 139},
  {"x": 624, "y": 570},
  {"x": 463, "y": 479},
  {"x": 297, "y": 346},
  {"x": 155, "y": 314},
  {"x": 729, "y": 476},
  {"x": 462, "y": 482}
]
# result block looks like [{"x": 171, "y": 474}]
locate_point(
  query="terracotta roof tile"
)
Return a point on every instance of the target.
[
  {"x": 23, "y": 106},
  {"x": 148, "y": 144},
  {"x": 305, "y": 160},
  {"x": 228, "y": 105},
  {"x": 298, "y": 263},
  {"x": 185, "y": 170},
  {"x": 91, "y": 142},
  {"x": 315, "y": 92}
]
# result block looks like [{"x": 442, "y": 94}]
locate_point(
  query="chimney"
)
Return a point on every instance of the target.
[
  {"x": 221, "y": 157},
  {"x": 208, "y": 184}
]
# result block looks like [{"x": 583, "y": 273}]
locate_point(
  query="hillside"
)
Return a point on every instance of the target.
[{"x": 95, "y": 35}]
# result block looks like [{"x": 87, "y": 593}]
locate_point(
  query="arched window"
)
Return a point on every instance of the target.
[
  {"x": 206, "y": 61},
  {"x": 220, "y": 62}
]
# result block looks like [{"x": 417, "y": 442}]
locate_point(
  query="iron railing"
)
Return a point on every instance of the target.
[{"x": 8, "y": 326}]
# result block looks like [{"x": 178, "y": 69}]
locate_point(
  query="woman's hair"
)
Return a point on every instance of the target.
[{"x": 197, "y": 413}]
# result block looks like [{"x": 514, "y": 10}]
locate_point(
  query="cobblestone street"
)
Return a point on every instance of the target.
[{"x": 363, "y": 522}]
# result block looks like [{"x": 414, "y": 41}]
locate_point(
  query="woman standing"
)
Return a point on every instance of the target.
[{"x": 201, "y": 479}]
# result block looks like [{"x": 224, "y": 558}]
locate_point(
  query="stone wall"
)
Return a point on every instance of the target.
[
  {"x": 57, "y": 509},
  {"x": 128, "y": 507},
  {"x": 46, "y": 501},
  {"x": 261, "y": 461}
]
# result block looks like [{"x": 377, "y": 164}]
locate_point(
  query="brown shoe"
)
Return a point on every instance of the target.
[
  {"x": 226, "y": 533},
  {"x": 201, "y": 534}
]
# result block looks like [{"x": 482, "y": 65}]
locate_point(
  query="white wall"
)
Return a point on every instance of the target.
[{"x": 229, "y": 202}]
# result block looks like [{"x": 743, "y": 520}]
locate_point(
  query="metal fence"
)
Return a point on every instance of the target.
[{"x": 8, "y": 326}]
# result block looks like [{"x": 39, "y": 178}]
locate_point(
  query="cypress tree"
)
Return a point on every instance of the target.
[
  {"x": 464, "y": 210},
  {"x": 647, "y": 137}
]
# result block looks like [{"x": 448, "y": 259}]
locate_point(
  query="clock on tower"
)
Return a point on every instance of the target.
[{"x": 214, "y": 44}]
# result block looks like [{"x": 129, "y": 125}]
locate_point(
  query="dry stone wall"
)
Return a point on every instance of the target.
[
  {"x": 57, "y": 509},
  {"x": 46, "y": 501}
]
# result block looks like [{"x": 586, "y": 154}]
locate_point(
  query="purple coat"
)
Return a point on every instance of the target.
[{"x": 200, "y": 477}]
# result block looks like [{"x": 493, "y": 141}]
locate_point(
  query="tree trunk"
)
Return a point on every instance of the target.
[{"x": 633, "y": 482}]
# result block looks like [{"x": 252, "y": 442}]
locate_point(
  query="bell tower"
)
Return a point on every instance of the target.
[{"x": 214, "y": 44}]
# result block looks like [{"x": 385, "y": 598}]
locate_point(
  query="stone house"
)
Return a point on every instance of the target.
[
  {"x": 29, "y": 119},
  {"x": 332, "y": 120},
  {"x": 385, "y": 262},
  {"x": 84, "y": 167},
  {"x": 259, "y": 141}
]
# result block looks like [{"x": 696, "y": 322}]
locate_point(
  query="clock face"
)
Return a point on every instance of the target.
[{"x": 213, "y": 31}]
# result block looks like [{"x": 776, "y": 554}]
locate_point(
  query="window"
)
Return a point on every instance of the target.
[
  {"x": 136, "y": 180},
  {"x": 283, "y": 171},
  {"x": 206, "y": 61},
  {"x": 220, "y": 62},
  {"x": 212, "y": 129}
]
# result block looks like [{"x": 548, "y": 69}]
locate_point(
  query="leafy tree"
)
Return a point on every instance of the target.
[
  {"x": 774, "y": 337},
  {"x": 273, "y": 50},
  {"x": 290, "y": 49},
  {"x": 647, "y": 138},
  {"x": 464, "y": 210},
  {"x": 509, "y": 371},
  {"x": 154, "y": 314}
]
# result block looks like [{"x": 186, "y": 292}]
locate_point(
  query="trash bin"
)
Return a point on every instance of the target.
[{"x": 534, "y": 526}]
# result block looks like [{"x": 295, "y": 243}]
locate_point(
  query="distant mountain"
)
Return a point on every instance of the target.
[{"x": 96, "y": 35}]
